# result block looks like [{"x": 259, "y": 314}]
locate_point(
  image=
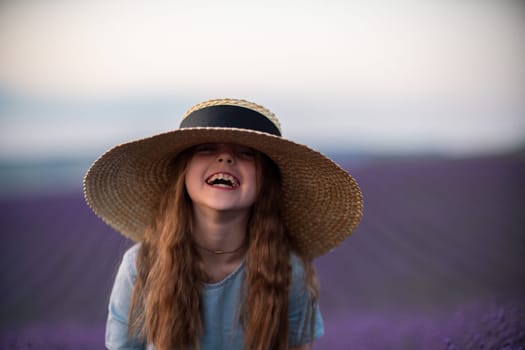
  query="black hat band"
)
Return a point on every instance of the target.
[{"x": 226, "y": 116}]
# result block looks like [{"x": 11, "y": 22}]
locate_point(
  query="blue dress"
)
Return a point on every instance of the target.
[{"x": 220, "y": 308}]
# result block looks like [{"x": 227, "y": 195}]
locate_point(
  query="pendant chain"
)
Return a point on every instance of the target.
[{"x": 218, "y": 251}]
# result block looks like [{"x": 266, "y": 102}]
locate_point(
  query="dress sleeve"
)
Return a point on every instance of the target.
[
  {"x": 299, "y": 317},
  {"x": 119, "y": 302}
]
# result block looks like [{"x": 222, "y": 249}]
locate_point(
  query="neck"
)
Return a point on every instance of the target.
[{"x": 220, "y": 236}]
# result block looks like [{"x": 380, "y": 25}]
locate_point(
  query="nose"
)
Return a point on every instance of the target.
[{"x": 225, "y": 154}]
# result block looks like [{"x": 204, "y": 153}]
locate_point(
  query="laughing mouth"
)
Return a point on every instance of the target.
[{"x": 224, "y": 180}]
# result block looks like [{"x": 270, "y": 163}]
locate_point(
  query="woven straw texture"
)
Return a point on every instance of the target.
[{"x": 323, "y": 203}]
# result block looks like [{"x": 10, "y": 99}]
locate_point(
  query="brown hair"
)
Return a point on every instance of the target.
[{"x": 167, "y": 254}]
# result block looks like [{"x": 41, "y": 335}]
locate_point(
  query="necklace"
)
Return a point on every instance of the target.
[{"x": 219, "y": 251}]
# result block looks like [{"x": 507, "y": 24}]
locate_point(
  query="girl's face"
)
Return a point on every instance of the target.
[{"x": 222, "y": 177}]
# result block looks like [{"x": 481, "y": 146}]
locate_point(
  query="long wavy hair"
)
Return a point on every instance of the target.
[{"x": 166, "y": 304}]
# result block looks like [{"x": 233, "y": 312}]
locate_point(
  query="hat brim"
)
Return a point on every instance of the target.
[{"x": 323, "y": 203}]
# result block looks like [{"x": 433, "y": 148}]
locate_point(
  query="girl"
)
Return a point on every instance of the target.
[{"x": 228, "y": 216}]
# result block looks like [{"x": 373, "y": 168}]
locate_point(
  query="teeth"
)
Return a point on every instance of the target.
[{"x": 222, "y": 180}]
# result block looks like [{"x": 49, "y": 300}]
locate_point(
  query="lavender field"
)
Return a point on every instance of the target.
[{"x": 438, "y": 262}]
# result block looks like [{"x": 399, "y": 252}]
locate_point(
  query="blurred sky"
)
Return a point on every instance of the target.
[{"x": 77, "y": 77}]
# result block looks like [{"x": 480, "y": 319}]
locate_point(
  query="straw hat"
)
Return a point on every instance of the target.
[{"x": 323, "y": 203}]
